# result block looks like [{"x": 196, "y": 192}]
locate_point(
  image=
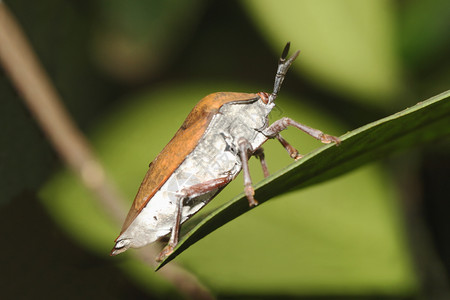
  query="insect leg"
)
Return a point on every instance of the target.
[
  {"x": 245, "y": 148},
  {"x": 293, "y": 153},
  {"x": 259, "y": 153},
  {"x": 283, "y": 123},
  {"x": 187, "y": 193}
]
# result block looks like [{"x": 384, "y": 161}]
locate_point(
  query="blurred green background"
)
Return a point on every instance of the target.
[{"x": 130, "y": 71}]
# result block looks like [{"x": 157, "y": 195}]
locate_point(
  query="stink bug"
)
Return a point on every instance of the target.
[{"x": 209, "y": 150}]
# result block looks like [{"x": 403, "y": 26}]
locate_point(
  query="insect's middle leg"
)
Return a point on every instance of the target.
[
  {"x": 259, "y": 153},
  {"x": 189, "y": 193}
]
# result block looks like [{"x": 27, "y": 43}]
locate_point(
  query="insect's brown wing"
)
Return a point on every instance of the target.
[{"x": 181, "y": 145}]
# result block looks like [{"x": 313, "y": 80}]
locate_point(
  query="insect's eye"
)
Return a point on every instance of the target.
[
  {"x": 264, "y": 97},
  {"x": 120, "y": 244}
]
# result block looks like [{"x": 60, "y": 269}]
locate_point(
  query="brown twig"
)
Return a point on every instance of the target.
[{"x": 42, "y": 99}]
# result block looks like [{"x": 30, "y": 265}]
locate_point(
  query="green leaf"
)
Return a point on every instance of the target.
[
  {"x": 424, "y": 33},
  {"x": 347, "y": 46},
  {"x": 426, "y": 121},
  {"x": 138, "y": 40}
]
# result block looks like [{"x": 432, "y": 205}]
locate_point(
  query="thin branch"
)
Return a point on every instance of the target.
[{"x": 42, "y": 99}]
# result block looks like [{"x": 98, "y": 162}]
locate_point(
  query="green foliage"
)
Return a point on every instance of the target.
[
  {"x": 347, "y": 45},
  {"x": 333, "y": 226}
]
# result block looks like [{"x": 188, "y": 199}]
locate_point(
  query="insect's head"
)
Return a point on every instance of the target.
[
  {"x": 283, "y": 66},
  {"x": 120, "y": 246}
]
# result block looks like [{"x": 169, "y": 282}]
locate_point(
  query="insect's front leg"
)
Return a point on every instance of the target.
[
  {"x": 244, "y": 149},
  {"x": 259, "y": 153},
  {"x": 283, "y": 123},
  {"x": 189, "y": 193}
]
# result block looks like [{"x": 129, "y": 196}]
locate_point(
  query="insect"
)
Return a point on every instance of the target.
[{"x": 209, "y": 150}]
